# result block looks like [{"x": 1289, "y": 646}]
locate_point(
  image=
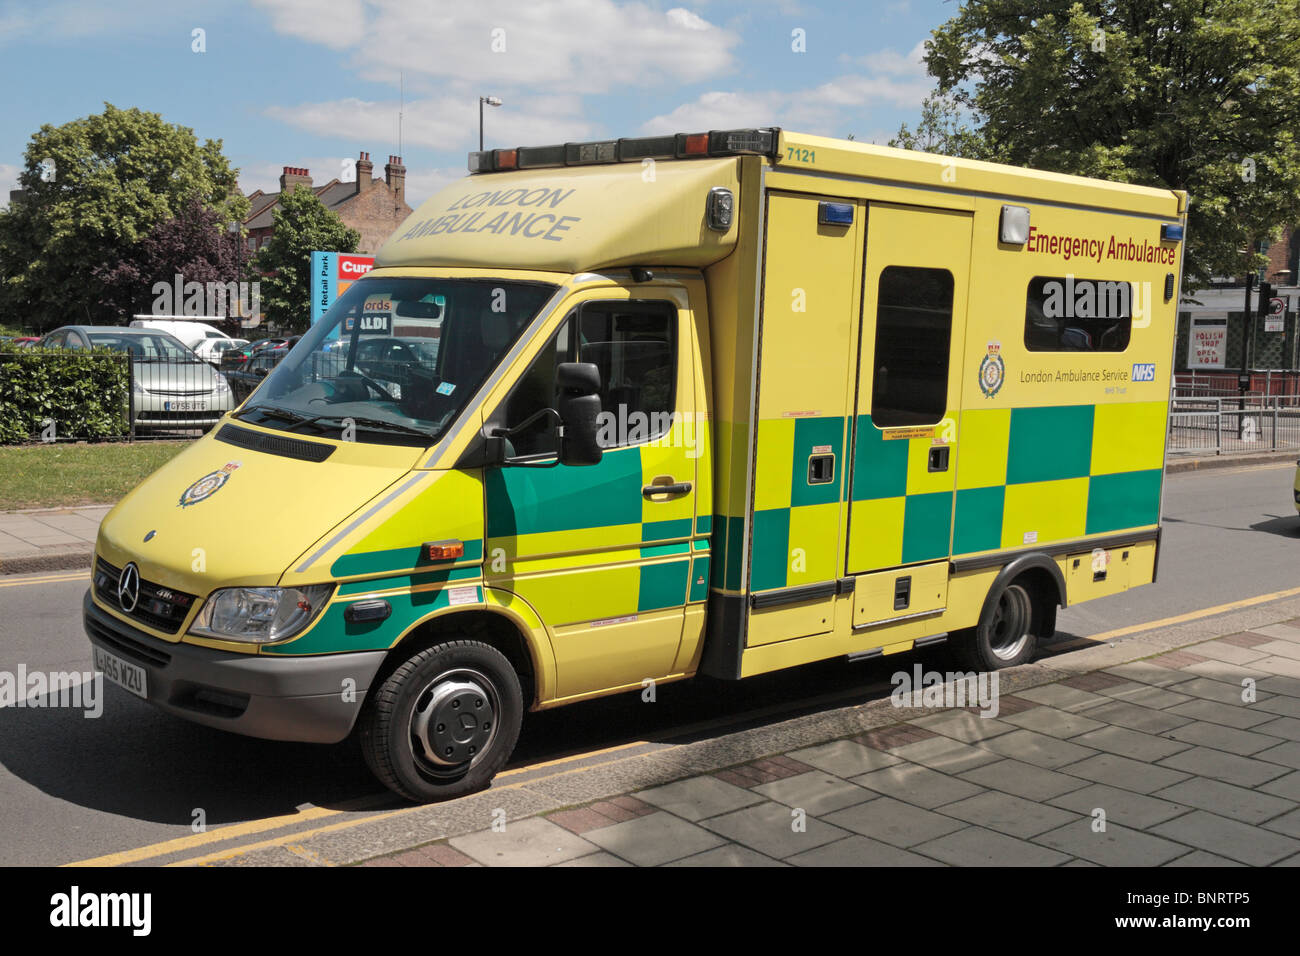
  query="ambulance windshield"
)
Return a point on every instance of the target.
[{"x": 394, "y": 361}]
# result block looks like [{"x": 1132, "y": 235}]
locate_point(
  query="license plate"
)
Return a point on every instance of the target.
[
  {"x": 185, "y": 406},
  {"x": 121, "y": 673}
]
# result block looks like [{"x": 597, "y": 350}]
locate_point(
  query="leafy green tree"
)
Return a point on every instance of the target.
[
  {"x": 944, "y": 129},
  {"x": 302, "y": 225},
  {"x": 1201, "y": 95},
  {"x": 91, "y": 188}
]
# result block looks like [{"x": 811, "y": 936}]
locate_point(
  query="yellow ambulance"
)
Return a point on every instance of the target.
[{"x": 617, "y": 412}]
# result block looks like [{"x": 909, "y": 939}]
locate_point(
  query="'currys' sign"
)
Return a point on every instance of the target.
[{"x": 331, "y": 274}]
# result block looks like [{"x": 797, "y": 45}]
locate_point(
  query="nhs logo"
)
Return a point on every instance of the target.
[{"x": 1144, "y": 371}]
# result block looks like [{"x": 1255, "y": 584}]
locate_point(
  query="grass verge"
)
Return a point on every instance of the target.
[{"x": 52, "y": 476}]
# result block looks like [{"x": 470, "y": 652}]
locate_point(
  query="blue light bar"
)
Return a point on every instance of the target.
[
  {"x": 835, "y": 213},
  {"x": 1171, "y": 232}
]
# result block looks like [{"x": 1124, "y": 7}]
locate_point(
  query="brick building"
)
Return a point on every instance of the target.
[
  {"x": 373, "y": 207},
  {"x": 1284, "y": 258}
]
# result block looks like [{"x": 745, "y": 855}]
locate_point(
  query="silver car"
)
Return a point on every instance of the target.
[{"x": 171, "y": 386}]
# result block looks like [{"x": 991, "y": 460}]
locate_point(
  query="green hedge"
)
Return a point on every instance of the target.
[{"x": 85, "y": 392}]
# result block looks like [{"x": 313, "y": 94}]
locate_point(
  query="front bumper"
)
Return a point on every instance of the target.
[{"x": 277, "y": 698}]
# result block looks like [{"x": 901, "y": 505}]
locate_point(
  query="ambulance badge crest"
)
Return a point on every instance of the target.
[
  {"x": 208, "y": 485},
  {"x": 992, "y": 370}
]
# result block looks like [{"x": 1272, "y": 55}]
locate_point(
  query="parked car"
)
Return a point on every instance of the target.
[
  {"x": 10, "y": 343},
  {"x": 212, "y": 350},
  {"x": 250, "y": 374},
  {"x": 189, "y": 332},
  {"x": 172, "y": 387}
]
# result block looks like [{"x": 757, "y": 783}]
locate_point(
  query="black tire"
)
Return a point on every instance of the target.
[
  {"x": 406, "y": 730},
  {"x": 1005, "y": 635}
]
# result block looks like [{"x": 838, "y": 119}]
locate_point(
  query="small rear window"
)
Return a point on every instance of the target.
[{"x": 1067, "y": 314}]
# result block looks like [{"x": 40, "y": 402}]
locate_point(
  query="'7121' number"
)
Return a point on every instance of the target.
[{"x": 800, "y": 155}]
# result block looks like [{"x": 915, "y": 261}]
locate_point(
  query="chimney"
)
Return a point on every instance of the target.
[
  {"x": 395, "y": 176},
  {"x": 365, "y": 169},
  {"x": 294, "y": 176}
]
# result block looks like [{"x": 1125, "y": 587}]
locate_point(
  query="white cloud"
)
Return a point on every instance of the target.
[
  {"x": 444, "y": 123},
  {"x": 333, "y": 23},
  {"x": 579, "y": 46},
  {"x": 831, "y": 108},
  {"x": 54, "y": 20}
]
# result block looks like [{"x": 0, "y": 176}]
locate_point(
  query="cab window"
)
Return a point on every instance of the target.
[{"x": 634, "y": 344}]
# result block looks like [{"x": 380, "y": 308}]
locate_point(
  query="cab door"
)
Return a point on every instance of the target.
[
  {"x": 914, "y": 293},
  {"x": 603, "y": 552}
]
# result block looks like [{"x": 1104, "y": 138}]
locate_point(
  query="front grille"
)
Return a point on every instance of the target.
[
  {"x": 133, "y": 650},
  {"x": 161, "y": 608},
  {"x": 182, "y": 391}
]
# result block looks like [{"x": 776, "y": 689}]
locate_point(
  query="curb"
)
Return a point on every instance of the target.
[
  {"x": 1176, "y": 466},
  {"x": 62, "y": 560}
]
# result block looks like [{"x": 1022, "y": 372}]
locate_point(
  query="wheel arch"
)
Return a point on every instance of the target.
[{"x": 1043, "y": 576}]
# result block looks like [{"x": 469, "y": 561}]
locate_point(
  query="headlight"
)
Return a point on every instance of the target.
[
  {"x": 260, "y": 615},
  {"x": 222, "y": 385},
  {"x": 138, "y": 388}
]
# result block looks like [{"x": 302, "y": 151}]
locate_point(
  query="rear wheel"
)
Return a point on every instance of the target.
[
  {"x": 444, "y": 722},
  {"x": 1005, "y": 634}
]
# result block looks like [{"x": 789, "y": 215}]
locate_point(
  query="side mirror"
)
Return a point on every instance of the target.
[{"x": 579, "y": 386}]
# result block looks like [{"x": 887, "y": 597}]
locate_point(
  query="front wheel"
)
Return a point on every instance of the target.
[
  {"x": 444, "y": 722},
  {"x": 1004, "y": 636}
]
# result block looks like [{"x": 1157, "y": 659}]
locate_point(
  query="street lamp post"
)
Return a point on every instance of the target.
[{"x": 490, "y": 101}]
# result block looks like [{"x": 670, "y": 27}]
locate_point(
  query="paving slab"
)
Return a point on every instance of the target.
[
  {"x": 1206, "y": 762},
  {"x": 1227, "y": 800},
  {"x": 770, "y": 829},
  {"x": 1125, "y": 773},
  {"x": 816, "y": 792},
  {"x": 917, "y": 785},
  {"x": 860, "y": 851},
  {"x": 1117, "y": 845},
  {"x": 975, "y": 846},
  {"x": 1038, "y": 749},
  {"x": 696, "y": 798},
  {"x": 1206, "y": 734},
  {"x": 1131, "y": 743},
  {"x": 728, "y": 855},
  {"x": 844, "y": 758},
  {"x": 528, "y": 842},
  {"x": 653, "y": 839},
  {"x": 894, "y": 822},
  {"x": 1014, "y": 816},
  {"x": 1023, "y": 780},
  {"x": 1135, "y": 810},
  {"x": 1235, "y": 840}
]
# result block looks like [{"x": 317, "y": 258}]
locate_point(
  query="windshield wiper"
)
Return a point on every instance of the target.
[
  {"x": 274, "y": 411},
  {"x": 369, "y": 424}
]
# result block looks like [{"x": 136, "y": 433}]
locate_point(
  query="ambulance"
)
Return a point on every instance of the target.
[{"x": 719, "y": 403}]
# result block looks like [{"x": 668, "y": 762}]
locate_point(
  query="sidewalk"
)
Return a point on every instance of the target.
[
  {"x": 49, "y": 539},
  {"x": 1140, "y": 752}
]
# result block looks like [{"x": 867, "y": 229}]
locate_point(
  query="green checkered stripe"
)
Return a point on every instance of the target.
[
  {"x": 770, "y": 557},
  {"x": 1044, "y": 444},
  {"x": 527, "y": 500}
]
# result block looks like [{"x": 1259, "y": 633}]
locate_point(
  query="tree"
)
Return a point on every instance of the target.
[
  {"x": 943, "y": 129},
  {"x": 194, "y": 243},
  {"x": 301, "y": 225},
  {"x": 92, "y": 187},
  {"x": 1201, "y": 95}
]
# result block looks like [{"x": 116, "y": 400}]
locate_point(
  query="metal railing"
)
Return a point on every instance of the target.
[{"x": 1219, "y": 425}]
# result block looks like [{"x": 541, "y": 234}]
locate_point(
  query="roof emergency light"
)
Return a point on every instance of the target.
[{"x": 734, "y": 142}]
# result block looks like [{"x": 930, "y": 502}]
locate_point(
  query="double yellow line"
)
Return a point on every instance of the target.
[{"x": 52, "y": 578}]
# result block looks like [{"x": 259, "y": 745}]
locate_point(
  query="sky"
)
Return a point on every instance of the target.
[{"x": 312, "y": 82}]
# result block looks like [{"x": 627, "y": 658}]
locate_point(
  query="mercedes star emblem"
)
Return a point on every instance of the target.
[{"x": 128, "y": 588}]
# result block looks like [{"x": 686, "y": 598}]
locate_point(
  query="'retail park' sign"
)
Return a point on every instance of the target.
[{"x": 331, "y": 274}]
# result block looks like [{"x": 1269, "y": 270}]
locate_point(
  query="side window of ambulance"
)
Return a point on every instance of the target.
[
  {"x": 913, "y": 333},
  {"x": 635, "y": 347},
  {"x": 1065, "y": 314}
]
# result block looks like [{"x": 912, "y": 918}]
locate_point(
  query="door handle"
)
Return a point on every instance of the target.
[{"x": 665, "y": 485}]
